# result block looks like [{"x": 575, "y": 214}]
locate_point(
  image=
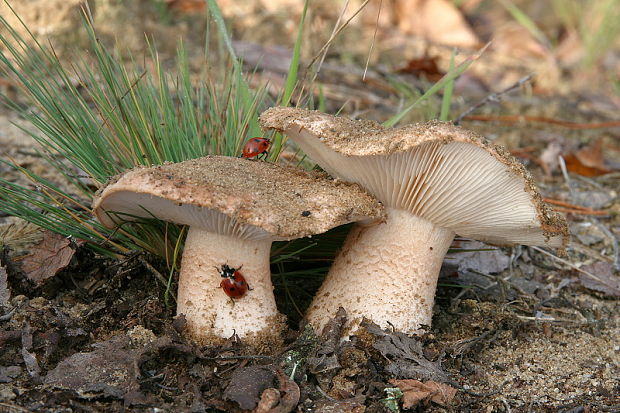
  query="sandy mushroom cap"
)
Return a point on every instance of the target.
[
  {"x": 435, "y": 170},
  {"x": 250, "y": 199},
  {"x": 235, "y": 208}
]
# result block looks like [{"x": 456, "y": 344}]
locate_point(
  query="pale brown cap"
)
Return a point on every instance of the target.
[
  {"x": 235, "y": 196},
  {"x": 435, "y": 170}
]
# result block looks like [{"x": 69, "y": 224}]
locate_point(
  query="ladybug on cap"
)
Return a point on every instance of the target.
[{"x": 256, "y": 147}]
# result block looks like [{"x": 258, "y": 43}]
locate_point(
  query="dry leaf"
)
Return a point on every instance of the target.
[
  {"x": 437, "y": 20},
  {"x": 247, "y": 384},
  {"x": 587, "y": 161},
  {"x": 426, "y": 66},
  {"x": 406, "y": 355},
  {"x": 47, "y": 258},
  {"x": 110, "y": 370},
  {"x": 282, "y": 400},
  {"x": 415, "y": 391},
  {"x": 605, "y": 281}
]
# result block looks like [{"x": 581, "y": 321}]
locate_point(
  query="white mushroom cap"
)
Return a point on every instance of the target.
[
  {"x": 233, "y": 196},
  {"x": 435, "y": 170}
]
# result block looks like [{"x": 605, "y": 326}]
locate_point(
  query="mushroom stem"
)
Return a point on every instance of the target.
[
  {"x": 395, "y": 266},
  {"x": 209, "y": 312}
]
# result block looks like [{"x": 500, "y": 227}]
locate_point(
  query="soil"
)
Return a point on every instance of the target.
[{"x": 515, "y": 329}]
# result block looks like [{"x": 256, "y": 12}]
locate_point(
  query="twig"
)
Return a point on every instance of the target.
[
  {"x": 570, "y": 264},
  {"x": 569, "y": 184},
  {"x": 248, "y": 357},
  {"x": 579, "y": 211},
  {"x": 548, "y": 319},
  {"x": 374, "y": 39},
  {"x": 154, "y": 271},
  {"x": 335, "y": 33},
  {"x": 576, "y": 209},
  {"x": 493, "y": 97}
]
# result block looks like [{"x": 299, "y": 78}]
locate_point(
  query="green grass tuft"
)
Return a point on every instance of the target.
[{"x": 100, "y": 117}]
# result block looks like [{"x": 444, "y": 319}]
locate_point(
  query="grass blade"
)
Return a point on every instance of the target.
[{"x": 446, "y": 101}]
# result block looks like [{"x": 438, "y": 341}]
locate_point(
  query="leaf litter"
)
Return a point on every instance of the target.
[
  {"x": 415, "y": 392},
  {"x": 48, "y": 257}
]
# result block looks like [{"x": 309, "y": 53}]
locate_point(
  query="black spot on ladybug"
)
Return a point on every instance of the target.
[
  {"x": 306, "y": 213},
  {"x": 232, "y": 288}
]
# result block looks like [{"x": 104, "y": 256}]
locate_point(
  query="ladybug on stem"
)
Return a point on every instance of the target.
[
  {"x": 233, "y": 283},
  {"x": 256, "y": 147}
]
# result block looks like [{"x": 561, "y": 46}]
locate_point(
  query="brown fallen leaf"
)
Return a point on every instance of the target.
[
  {"x": 47, "y": 258},
  {"x": 415, "y": 391},
  {"x": 282, "y": 400},
  {"x": 588, "y": 161},
  {"x": 247, "y": 384},
  {"x": 425, "y": 66}
]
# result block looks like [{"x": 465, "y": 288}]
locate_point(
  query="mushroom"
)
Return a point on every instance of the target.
[
  {"x": 234, "y": 208},
  {"x": 435, "y": 180}
]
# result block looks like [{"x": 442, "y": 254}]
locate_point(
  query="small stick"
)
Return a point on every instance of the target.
[
  {"x": 247, "y": 357},
  {"x": 570, "y": 264},
  {"x": 493, "y": 97},
  {"x": 579, "y": 211},
  {"x": 154, "y": 271},
  {"x": 571, "y": 206},
  {"x": 569, "y": 184}
]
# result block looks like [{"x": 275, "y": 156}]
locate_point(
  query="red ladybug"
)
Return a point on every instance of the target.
[
  {"x": 233, "y": 283},
  {"x": 256, "y": 147}
]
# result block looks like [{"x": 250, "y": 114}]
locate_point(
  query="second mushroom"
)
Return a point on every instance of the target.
[{"x": 435, "y": 180}]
